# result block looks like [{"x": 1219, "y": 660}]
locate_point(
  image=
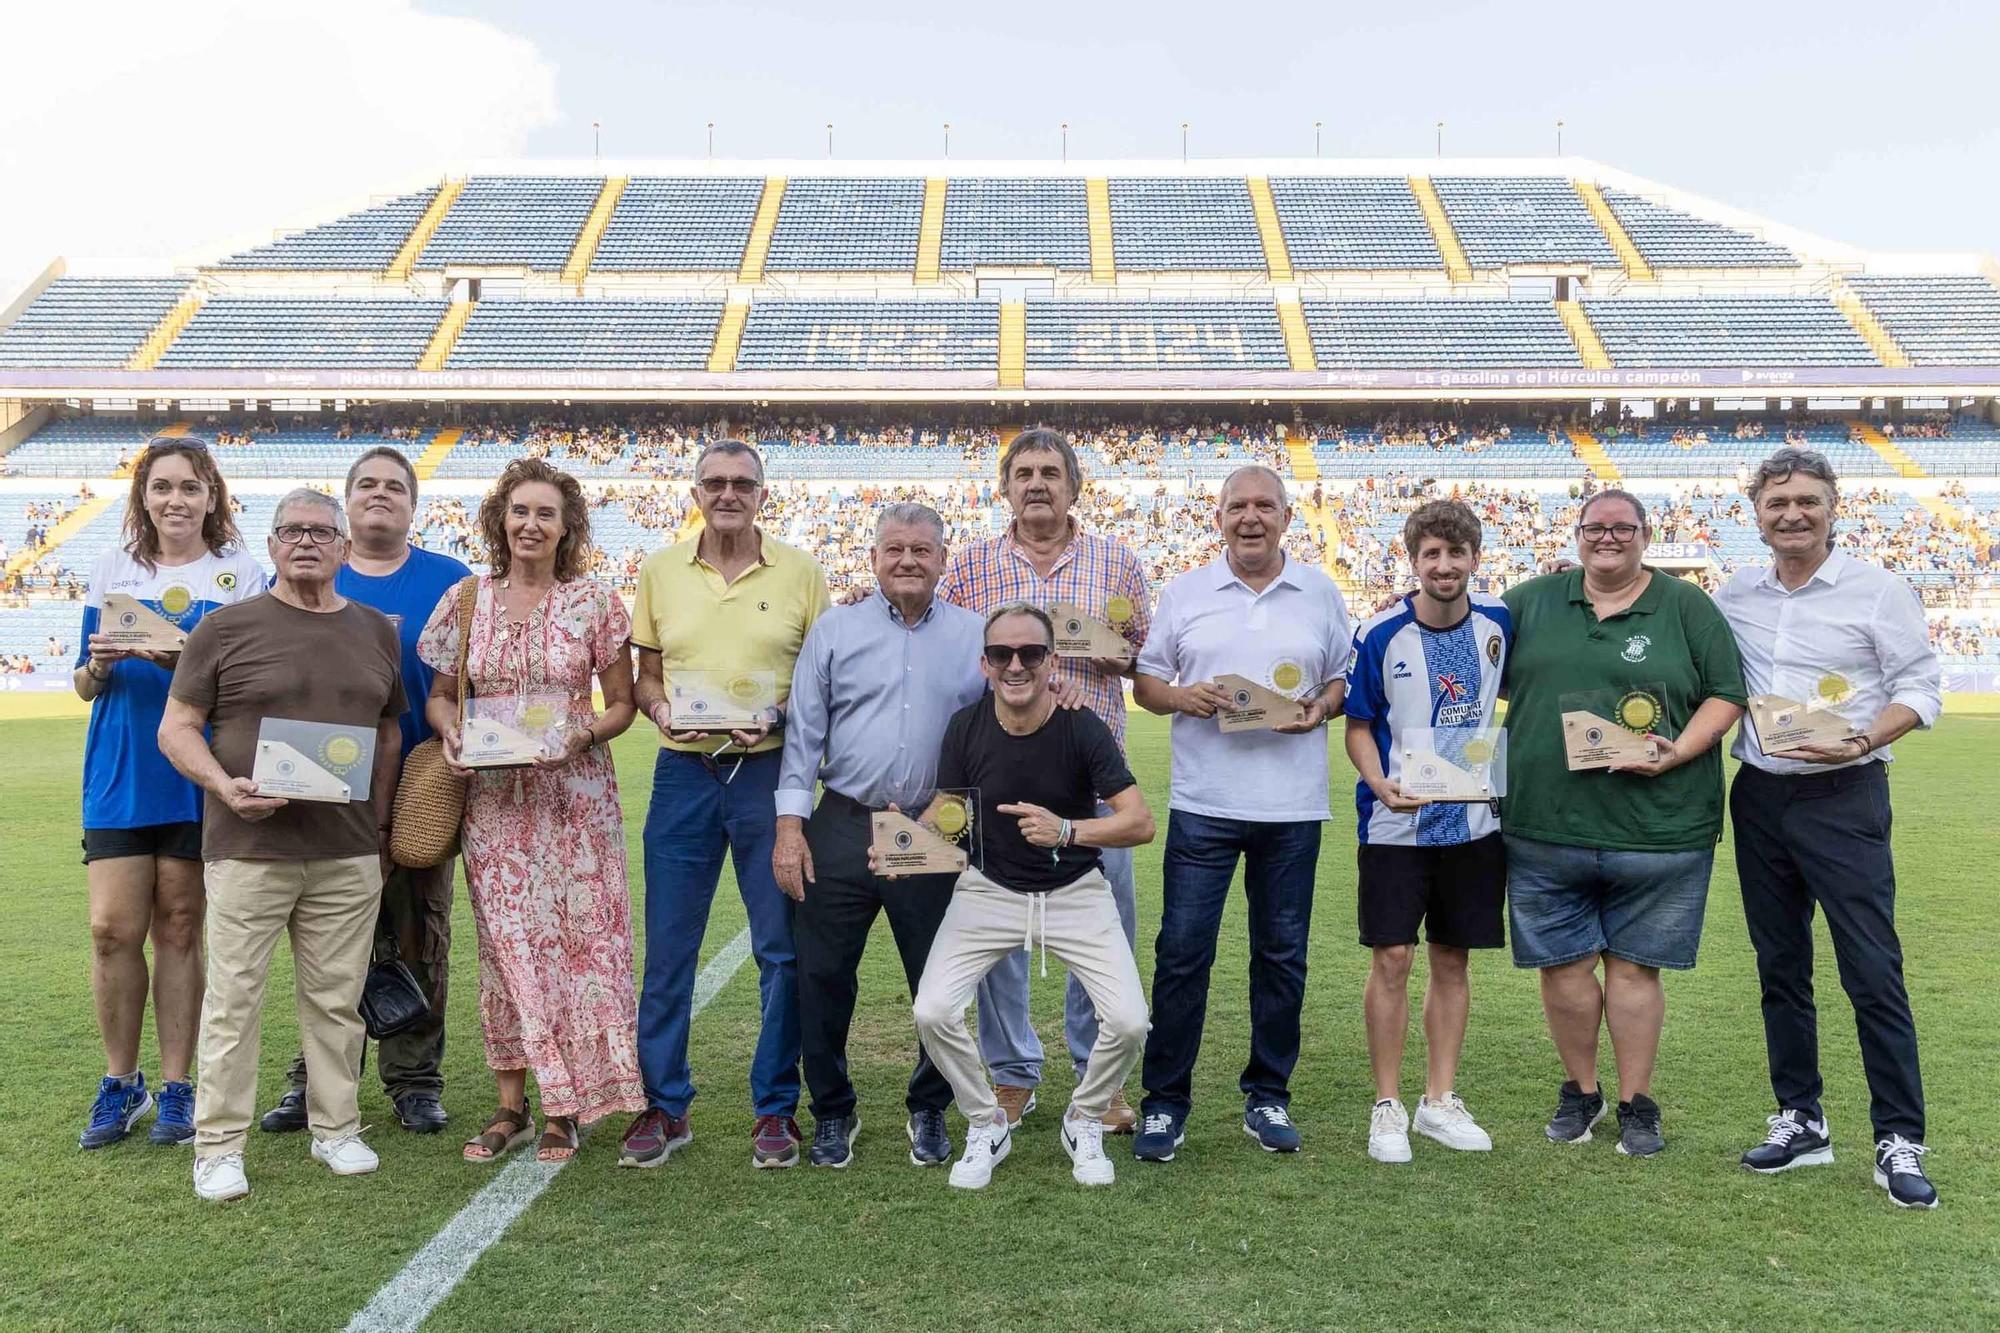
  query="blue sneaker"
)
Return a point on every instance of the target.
[
  {"x": 174, "y": 1125},
  {"x": 1161, "y": 1133},
  {"x": 117, "y": 1108},
  {"x": 1271, "y": 1125}
]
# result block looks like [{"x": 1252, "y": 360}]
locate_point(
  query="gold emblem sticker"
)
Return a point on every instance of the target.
[
  {"x": 743, "y": 689},
  {"x": 341, "y": 751},
  {"x": 1288, "y": 676},
  {"x": 1834, "y": 687},
  {"x": 952, "y": 818},
  {"x": 1118, "y": 610},
  {"x": 176, "y": 599},
  {"x": 538, "y": 717},
  {"x": 1478, "y": 750},
  {"x": 1638, "y": 711}
]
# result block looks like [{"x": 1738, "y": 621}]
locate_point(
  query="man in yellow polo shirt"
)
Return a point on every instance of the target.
[{"x": 719, "y": 618}]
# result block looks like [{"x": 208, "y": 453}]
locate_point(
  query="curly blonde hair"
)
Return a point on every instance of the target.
[{"x": 573, "y": 551}]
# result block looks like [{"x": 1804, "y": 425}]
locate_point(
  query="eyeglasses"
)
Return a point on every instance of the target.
[
  {"x": 1597, "y": 532},
  {"x": 291, "y": 534},
  {"x": 1032, "y": 655},
  {"x": 715, "y": 486}
]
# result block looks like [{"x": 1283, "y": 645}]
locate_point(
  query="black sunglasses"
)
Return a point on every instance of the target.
[{"x": 1032, "y": 655}]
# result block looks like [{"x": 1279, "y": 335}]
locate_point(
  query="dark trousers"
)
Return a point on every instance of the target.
[
  {"x": 1822, "y": 839},
  {"x": 416, "y": 912},
  {"x": 1279, "y": 863},
  {"x": 830, "y": 931}
]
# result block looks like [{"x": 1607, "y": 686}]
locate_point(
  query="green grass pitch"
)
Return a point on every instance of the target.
[{"x": 1226, "y": 1237}]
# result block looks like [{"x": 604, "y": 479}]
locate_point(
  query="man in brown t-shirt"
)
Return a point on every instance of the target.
[{"x": 303, "y": 653}]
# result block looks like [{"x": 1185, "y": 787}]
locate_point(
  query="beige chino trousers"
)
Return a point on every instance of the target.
[
  {"x": 329, "y": 907},
  {"x": 1079, "y": 924}
]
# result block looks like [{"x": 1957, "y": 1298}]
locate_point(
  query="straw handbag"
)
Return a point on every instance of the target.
[{"x": 430, "y": 798}]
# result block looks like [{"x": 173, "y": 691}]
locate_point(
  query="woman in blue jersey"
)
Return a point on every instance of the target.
[{"x": 141, "y": 819}]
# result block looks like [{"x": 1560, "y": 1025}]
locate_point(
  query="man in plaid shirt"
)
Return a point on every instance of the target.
[{"x": 1042, "y": 558}]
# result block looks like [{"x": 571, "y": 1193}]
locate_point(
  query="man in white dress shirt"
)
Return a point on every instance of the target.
[
  {"x": 1812, "y": 822},
  {"x": 1256, "y": 795}
]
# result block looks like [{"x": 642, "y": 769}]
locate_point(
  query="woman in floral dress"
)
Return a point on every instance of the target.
[{"x": 545, "y": 845}]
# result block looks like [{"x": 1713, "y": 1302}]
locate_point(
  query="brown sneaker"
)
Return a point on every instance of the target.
[
  {"x": 1014, "y": 1100},
  {"x": 774, "y": 1142},
  {"x": 653, "y": 1138},
  {"x": 1119, "y": 1118}
]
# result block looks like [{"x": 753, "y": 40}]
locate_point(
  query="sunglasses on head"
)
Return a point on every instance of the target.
[{"x": 1032, "y": 655}]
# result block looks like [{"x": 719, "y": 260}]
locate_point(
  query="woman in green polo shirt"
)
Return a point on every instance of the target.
[{"x": 1613, "y": 864}]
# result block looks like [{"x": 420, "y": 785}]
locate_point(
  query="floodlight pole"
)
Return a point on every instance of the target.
[
  {"x": 1184, "y": 137},
  {"x": 1440, "y": 141},
  {"x": 947, "y": 138},
  {"x": 711, "y": 141},
  {"x": 1559, "y": 138},
  {"x": 1315, "y": 138},
  {"x": 1065, "y": 141},
  {"x": 596, "y": 139},
  {"x": 829, "y": 139}
]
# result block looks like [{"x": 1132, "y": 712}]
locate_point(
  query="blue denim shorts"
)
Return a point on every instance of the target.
[{"x": 1567, "y": 903}]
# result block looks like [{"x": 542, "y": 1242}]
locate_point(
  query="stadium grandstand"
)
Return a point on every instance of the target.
[{"x": 1515, "y": 332}]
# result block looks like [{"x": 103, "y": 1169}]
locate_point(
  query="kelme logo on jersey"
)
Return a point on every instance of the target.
[{"x": 1635, "y": 648}]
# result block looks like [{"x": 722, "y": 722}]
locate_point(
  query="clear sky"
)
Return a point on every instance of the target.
[{"x": 145, "y": 129}]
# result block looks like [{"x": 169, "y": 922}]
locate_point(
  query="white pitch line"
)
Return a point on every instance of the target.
[{"x": 408, "y": 1298}]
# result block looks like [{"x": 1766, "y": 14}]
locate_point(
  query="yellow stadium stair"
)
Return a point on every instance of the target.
[
  {"x": 587, "y": 240},
  {"x": 1009, "y": 433},
  {"x": 728, "y": 337},
  {"x": 1888, "y": 450},
  {"x": 420, "y": 235},
  {"x": 1614, "y": 231},
  {"x": 1277, "y": 256},
  {"x": 758, "y": 248},
  {"x": 1592, "y": 453},
  {"x": 1456, "y": 267},
  {"x": 437, "y": 451},
  {"x": 1304, "y": 466},
  {"x": 72, "y": 523},
  {"x": 1320, "y": 519},
  {"x": 1952, "y": 516},
  {"x": 179, "y": 428},
  {"x": 1581, "y": 332},
  {"x": 445, "y": 336},
  {"x": 930, "y": 236},
  {"x": 163, "y": 334},
  {"x": 1103, "y": 263},
  {"x": 1298, "y": 339},
  {"x": 1879, "y": 340},
  {"x": 1013, "y": 345}
]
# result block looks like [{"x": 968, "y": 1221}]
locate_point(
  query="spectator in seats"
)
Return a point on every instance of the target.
[
  {"x": 385, "y": 571},
  {"x": 181, "y": 559},
  {"x": 545, "y": 846},
  {"x": 1613, "y": 869},
  {"x": 310, "y": 869},
  {"x": 1046, "y": 556},
  {"x": 731, "y": 599},
  {"x": 1257, "y": 796},
  {"x": 1813, "y": 822}
]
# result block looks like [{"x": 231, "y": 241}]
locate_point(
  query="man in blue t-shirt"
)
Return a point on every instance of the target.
[{"x": 405, "y": 583}]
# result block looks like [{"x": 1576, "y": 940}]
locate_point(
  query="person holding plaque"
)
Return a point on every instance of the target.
[
  {"x": 1615, "y": 666},
  {"x": 315, "y": 678},
  {"x": 719, "y": 622},
  {"x": 1842, "y": 645},
  {"x": 180, "y": 560},
  {"x": 872, "y": 691},
  {"x": 1045, "y": 558},
  {"x": 1258, "y": 795},
  {"x": 544, "y": 843},
  {"x": 1041, "y": 772},
  {"x": 405, "y": 583},
  {"x": 1426, "y": 680}
]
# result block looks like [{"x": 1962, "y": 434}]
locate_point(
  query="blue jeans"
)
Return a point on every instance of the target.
[
  {"x": 1007, "y": 1038},
  {"x": 1280, "y": 863},
  {"x": 693, "y": 818},
  {"x": 1569, "y": 903}
]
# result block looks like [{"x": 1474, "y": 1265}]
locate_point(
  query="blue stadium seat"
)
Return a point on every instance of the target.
[
  {"x": 513, "y": 221},
  {"x": 1522, "y": 220},
  {"x": 368, "y": 239},
  {"x": 279, "y": 333},
  {"x": 833, "y": 223},
  {"x": 597, "y": 334},
  {"x": 1184, "y": 224},
  {"x": 81, "y": 322},
  {"x": 1154, "y": 335},
  {"x": 1727, "y": 331},
  {"x": 1669, "y": 238},
  {"x": 685, "y": 224},
  {"x": 1353, "y": 222},
  {"x": 1416, "y": 334},
  {"x": 1938, "y": 320},
  {"x": 871, "y": 335},
  {"x": 1015, "y": 222}
]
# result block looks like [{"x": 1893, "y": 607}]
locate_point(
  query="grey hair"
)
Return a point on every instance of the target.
[
  {"x": 1028, "y": 609},
  {"x": 394, "y": 455},
  {"x": 1782, "y": 465},
  {"x": 306, "y": 495},
  {"x": 1614, "y": 493},
  {"x": 1043, "y": 440},
  {"x": 1257, "y": 469},
  {"x": 909, "y": 511},
  {"x": 731, "y": 449}
]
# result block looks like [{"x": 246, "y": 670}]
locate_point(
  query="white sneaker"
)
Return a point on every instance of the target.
[
  {"x": 220, "y": 1178},
  {"x": 986, "y": 1146},
  {"x": 1451, "y": 1124},
  {"x": 1389, "y": 1132},
  {"x": 346, "y": 1155},
  {"x": 1083, "y": 1140}
]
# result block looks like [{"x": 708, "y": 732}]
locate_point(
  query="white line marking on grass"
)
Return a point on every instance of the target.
[{"x": 407, "y": 1299}]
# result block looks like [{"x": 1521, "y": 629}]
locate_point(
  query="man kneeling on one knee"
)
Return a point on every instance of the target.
[{"x": 1040, "y": 772}]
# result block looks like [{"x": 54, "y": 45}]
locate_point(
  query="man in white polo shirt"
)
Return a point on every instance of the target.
[
  {"x": 1260, "y": 795},
  {"x": 1812, "y": 822}
]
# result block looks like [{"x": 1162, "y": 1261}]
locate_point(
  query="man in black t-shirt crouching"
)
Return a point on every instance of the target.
[{"x": 1040, "y": 772}]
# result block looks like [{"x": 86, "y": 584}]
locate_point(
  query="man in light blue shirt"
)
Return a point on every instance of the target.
[{"x": 873, "y": 688}]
